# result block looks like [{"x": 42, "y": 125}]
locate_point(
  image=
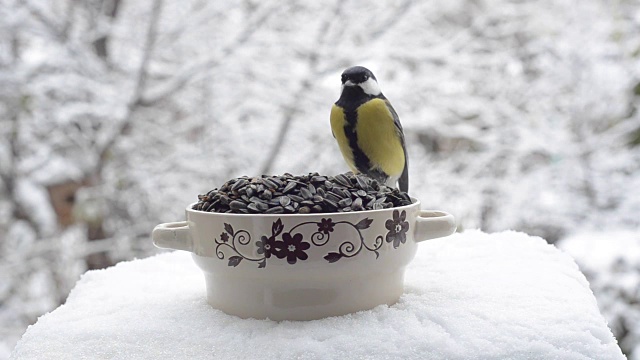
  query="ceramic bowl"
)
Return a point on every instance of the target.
[{"x": 303, "y": 266}]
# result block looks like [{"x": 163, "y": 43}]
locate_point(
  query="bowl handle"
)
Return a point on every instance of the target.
[
  {"x": 431, "y": 224},
  {"x": 174, "y": 235}
]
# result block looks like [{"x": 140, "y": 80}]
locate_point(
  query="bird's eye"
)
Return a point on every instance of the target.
[{"x": 365, "y": 78}]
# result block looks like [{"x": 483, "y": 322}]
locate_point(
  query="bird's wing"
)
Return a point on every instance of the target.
[{"x": 403, "y": 181}]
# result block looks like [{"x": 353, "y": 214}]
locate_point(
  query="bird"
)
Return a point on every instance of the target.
[{"x": 368, "y": 130}]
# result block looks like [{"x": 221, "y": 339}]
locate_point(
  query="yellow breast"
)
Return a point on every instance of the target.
[
  {"x": 378, "y": 137},
  {"x": 337, "y": 126}
]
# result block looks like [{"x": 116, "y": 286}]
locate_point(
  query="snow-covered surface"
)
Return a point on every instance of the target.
[
  {"x": 470, "y": 296},
  {"x": 599, "y": 250},
  {"x": 611, "y": 261}
]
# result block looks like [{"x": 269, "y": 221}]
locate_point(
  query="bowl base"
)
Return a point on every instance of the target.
[{"x": 287, "y": 299}]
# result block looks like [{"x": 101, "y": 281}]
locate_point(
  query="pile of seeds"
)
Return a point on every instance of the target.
[{"x": 304, "y": 194}]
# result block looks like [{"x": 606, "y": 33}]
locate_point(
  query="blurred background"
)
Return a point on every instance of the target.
[{"x": 116, "y": 114}]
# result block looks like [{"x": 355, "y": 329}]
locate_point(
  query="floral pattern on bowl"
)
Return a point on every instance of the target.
[{"x": 291, "y": 245}]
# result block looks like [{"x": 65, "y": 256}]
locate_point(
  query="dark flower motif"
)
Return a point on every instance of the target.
[
  {"x": 398, "y": 228},
  {"x": 326, "y": 226},
  {"x": 292, "y": 247},
  {"x": 224, "y": 237},
  {"x": 267, "y": 246}
]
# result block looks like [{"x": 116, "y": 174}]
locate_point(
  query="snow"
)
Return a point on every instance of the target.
[
  {"x": 610, "y": 259},
  {"x": 469, "y": 296},
  {"x": 598, "y": 250}
]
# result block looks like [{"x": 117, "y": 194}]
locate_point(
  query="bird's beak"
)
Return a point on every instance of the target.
[{"x": 349, "y": 83}]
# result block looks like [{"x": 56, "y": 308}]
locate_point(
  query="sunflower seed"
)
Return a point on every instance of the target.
[
  {"x": 284, "y": 200},
  {"x": 305, "y": 193},
  {"x": 240, "y": 183},
  {"x": 333, "y": 197},
  {"x": 362, "y": 183},
  {"x": 345, "y": 202},
  {"x": 262, "y": 206},
  {"x": 212, "y": 206},
  {"x": 304, "y": 210},
  {"x": 295, "y": 198},
  {"x": 338, "y": 192},
  {"x": 275, "y": 210},
  {"x": 256, "y": 199},
  {"x": 340, "y": 178},
  {"x": 290, "y": 186},
  {"x": 266, "y": 195},
  {"x": 332, "y": 205},
  {"x": 237, "y": 205},
  {"x": 357, "y": 205},
  {"x": 270, "y": 184}
]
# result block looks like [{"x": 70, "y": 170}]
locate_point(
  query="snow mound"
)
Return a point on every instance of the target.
[
  {"x": 468, "y": 296},
  {"x": 611, "y": 262}
]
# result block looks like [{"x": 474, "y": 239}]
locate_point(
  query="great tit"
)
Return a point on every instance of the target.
[{"x": 368, "y": 130}]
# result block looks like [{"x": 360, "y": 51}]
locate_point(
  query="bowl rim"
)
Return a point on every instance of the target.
[{"x": 414, "y": 202}]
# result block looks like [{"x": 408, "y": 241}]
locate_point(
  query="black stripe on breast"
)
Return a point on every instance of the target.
[{"x": 360, "y": 159}]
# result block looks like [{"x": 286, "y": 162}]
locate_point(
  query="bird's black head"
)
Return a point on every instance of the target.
[
  {"x": 361, "y": 77},
  {"x": 357, "y": 75}
]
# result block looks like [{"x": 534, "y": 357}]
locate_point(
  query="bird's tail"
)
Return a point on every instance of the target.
[{"x": 403, "y": 181}]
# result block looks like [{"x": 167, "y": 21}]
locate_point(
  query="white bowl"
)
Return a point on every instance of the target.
[{"x": 303, "y": 266}]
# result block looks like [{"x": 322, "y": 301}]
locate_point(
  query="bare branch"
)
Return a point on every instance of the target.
[
  {"x": 189, "y": 72},
  {"x": 395, "y": 18},
  {"x": 110, "y": 10},
  {"x": 305, "y": 84},
  {"x": 68, "y": 21},
  {"x": 57, "y": 30},
  {"x": 141, "y": 81}
]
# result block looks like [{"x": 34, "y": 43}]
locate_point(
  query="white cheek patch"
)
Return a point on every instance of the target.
[{"x": 370, "y": 87}]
